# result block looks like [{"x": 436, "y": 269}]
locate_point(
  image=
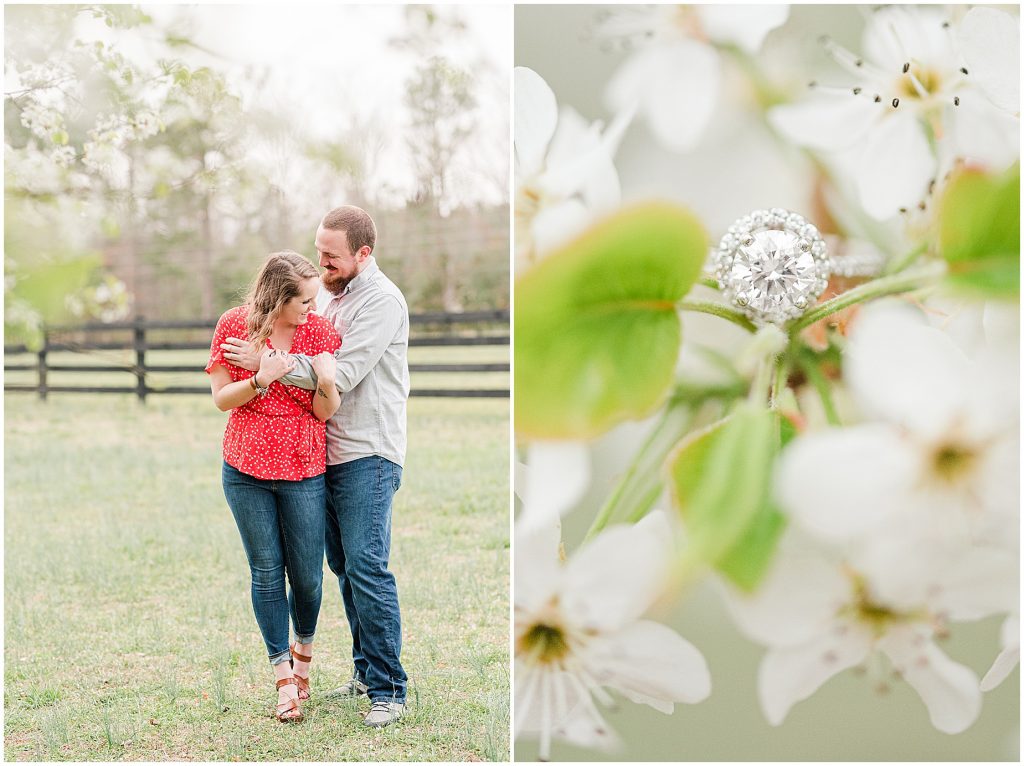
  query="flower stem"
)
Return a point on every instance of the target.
[
  {"x": 896, "y": 265},
  {"x": 642, "y": 484},
  {"x": 818, "y": 380},
  {"x": 890, "y": 285},
  {"x": 760, "y": 386},
  {"x": 718, "y": 310},
  {"x": 779, "y": 383}
]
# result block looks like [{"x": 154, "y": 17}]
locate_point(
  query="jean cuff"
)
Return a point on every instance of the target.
[
  {"x": 285, "y": 656},
  {"x": 304, "y": 639}
]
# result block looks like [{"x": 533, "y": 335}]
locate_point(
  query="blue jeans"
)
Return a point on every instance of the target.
[
  {"x": 282, "y": 528},
  {"x": 358, "y": 542}
]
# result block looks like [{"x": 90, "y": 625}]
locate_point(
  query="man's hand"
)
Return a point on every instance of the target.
[{"x": 242, "y": 353}]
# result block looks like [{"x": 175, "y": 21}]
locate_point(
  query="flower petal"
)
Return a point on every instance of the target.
[
  {"x": 896, "y": 167},
  {"x": 829, "y": 122},
  {"x": 538, "y": 566},
  {"x": 536, "y": 114},
  {"x": 842, "y": 483},
  {"x": 949, "y": 690},
  {"x": 791, "y": 674},
  {"x": 979, "y": 582},
  {"x": 990, "y": 44},
  {"x": 613, "y": 579},
  {"x": 956, "y": 580},
  {"x": 784, "y": 611},
  {"x": 744, "y": 25},
  {"x": 555, "y": 703},
  {"x": 558, "y": 223},
  {"x": 650, "y": 664},
  {"x": 676, "y": 84},
  {"x": 580, "y": 159},
  {"x": 998, "y": 488},
  {"x": 557, "y": 475},
  {"x": 1008, "y": 658},
  {"x": 906, "y": 372},
  {"x": 896, "y": 34},
  {"x": 983, "y": 134}
]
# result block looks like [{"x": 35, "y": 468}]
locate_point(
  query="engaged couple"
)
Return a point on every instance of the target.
[{"x": 313, "y": 453}]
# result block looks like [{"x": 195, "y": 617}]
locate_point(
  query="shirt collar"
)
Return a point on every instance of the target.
[{"x": 362, "y": 277}]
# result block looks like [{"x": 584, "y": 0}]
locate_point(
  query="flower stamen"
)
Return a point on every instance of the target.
[
  {"x": 951, "y": 462},
  {"x": 547, "y": 644}
]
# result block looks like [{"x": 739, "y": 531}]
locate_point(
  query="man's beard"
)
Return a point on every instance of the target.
[{"x": 334, "y": 282}]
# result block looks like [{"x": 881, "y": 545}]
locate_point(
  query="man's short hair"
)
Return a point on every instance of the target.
[{"x": 356, "y": 223}]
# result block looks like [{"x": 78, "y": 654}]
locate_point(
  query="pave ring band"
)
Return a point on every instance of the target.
[{"x": 773, "y": 265}]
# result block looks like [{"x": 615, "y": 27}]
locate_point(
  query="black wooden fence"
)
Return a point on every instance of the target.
[{"x": 480, "y": 328}]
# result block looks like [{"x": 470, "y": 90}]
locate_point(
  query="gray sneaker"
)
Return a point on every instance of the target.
[
  {"x": 352, "y": 688},
  {"x": 382, "y": 712}
]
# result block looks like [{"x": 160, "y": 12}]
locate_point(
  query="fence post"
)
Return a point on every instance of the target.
[
  {"x": 139, "y": 333},
  {"x": 42, "y": 365}
]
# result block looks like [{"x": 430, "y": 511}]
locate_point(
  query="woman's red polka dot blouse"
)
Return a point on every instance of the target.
[{"x": 276, "y": 436}]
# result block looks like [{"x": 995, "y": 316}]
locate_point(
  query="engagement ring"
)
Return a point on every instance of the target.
[{"x": 773, "y": 265}]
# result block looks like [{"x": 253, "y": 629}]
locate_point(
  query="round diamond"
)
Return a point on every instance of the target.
[{"x": 774, "y": 274}]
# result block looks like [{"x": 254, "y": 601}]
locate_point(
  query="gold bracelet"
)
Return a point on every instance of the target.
[{"x": 261, "y": 390}]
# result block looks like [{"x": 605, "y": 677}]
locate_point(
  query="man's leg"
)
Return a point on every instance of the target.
[
  {"x": 361, "y": 492},
  {"x": 336, "y": 561}
]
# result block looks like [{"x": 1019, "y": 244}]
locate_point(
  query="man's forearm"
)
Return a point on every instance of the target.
[{"x": 302, "y": 376}]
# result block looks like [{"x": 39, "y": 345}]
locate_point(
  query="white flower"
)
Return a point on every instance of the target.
[
  {"x": 43, "y": 121},
  {"x": 564, "y": 172},
  {"x": 555, "y": 476},
  {"x": 577, "y": 630},
  {"x": 1008, "y": 658},
  {"x": 144, "y": 125},
  {"x": 674, "y": 73},
  {"x": 819, "y": 617},
  {"x": 939, "y": 459},
  {"x": 921, "y": 79}
]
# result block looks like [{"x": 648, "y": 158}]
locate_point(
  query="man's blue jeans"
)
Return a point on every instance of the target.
[
  {"x": 282, "y": 528},
  {"x": 358, "y": 541}
]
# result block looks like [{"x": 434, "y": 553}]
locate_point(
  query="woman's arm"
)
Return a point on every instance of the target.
[
  {"x": 228, "y": 394},
  {"x": 326, "y": 398}
]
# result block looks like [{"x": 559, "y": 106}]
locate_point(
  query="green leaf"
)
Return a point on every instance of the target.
[
  {"x": 747, "y": 561},
  {"x": 597, "y": 332},
  {"x": 46, "y": 285},
  {"x": 721, "y": 479},
  {"x": 979, "y": 232}
]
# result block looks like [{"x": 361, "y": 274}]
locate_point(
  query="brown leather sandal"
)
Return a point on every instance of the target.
[
  {"x": 301, "y": 681},
  {"x": 287, "y": 707}
]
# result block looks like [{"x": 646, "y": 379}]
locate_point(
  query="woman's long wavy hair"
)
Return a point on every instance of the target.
[{"x": 278, "y": 281}]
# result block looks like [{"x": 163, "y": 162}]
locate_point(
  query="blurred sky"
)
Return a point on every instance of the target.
[{"x": 329, "y": 65}]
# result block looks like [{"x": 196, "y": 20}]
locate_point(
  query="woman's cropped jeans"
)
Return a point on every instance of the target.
[{"x": 282, "y": 528}]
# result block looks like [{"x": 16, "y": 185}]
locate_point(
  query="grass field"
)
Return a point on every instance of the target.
[{"x": 128, "y": 629}]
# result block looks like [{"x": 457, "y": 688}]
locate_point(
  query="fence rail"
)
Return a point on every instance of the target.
[{"x": 476, "y": 328}]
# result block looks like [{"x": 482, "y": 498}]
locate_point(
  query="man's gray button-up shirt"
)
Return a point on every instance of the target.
[{"x": 372, "y": 318}]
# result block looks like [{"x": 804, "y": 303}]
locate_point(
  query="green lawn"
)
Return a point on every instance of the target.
[{"x": 128, "y": 629}]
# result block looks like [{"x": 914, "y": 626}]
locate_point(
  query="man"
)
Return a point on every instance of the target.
[{"x": 366, "y": 442}]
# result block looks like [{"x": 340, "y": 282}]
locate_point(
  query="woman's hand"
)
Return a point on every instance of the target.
[
  {"x": 325, "y": 366},
  {"x": 326, "y": 398},
  {"x": 273, "y": 366}
]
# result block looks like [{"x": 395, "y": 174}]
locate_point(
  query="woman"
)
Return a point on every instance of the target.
[{"x": 274, "y": 459}]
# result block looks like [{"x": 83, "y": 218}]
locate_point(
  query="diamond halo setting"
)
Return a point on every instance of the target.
[{"x": 772, "y": 265}]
